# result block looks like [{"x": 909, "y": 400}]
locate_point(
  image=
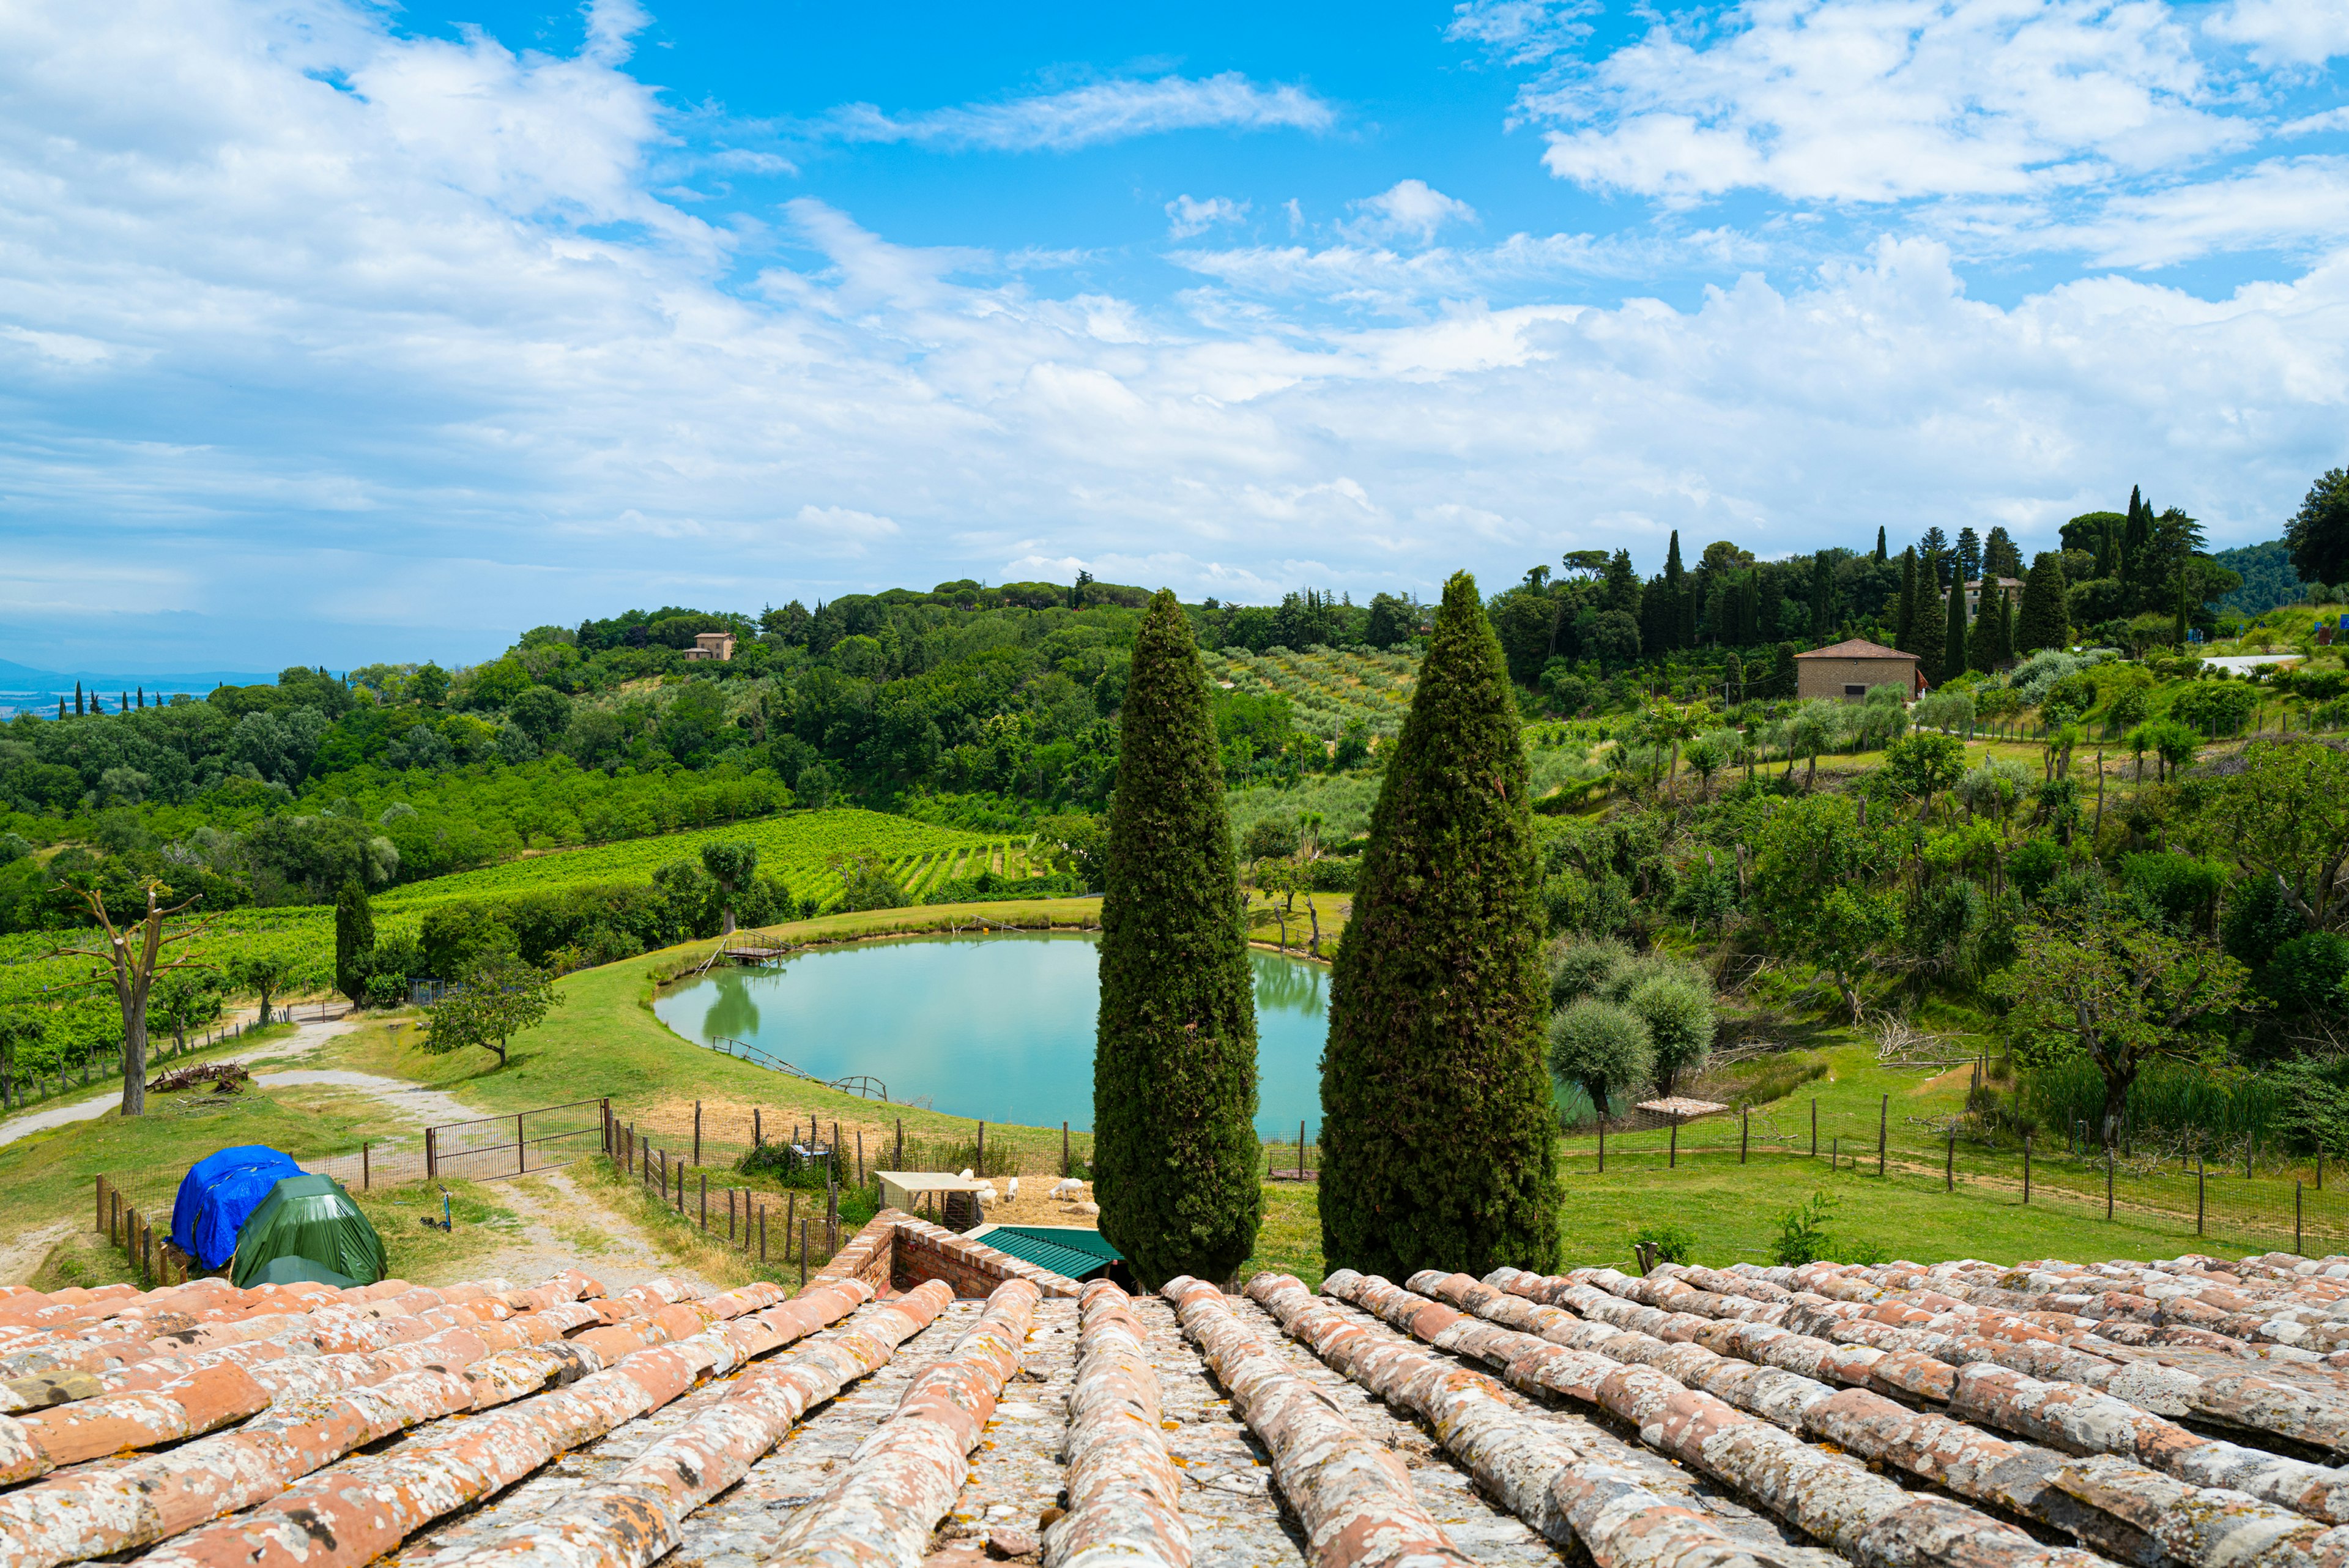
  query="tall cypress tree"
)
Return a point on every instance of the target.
[
  {"x": 354, "y": 939},
  {"x": 1439, "y": 1140},
  {"x": 1880, "y": 542},
  {"x": 2005, "y": 654},
  {"x": 1904, "y": 625},
  {"x": 1676, "y": 585},
  {"x": 2043, "y": 621},
  {"x": 1928, "y": 634},
  {"x": 1953, "y": 652},
  {"x": 77, "y": 707},
  {"x": 1981, "y": 636},
  {"x": 1174, "y": 1144}
]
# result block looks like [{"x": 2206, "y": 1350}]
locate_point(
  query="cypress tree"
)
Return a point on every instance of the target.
[
  {"x": 354, "y": 939},
  {"x": 1676, "y": 585},
  {"x": 2043, "y": 622},
  {"x": 1879, "y": 544},
  {"x": 1904, "y": 625},
  {"x": 61, "y": 709},
  {"x": 2108, "y": 553},
  {"x": 77, "y": 707},
  {"x": 1954, "y": 653},
  {"x": 1928, "y": 634},
  {"x": 1174, "y": 1144},
  {"x": 2005, "y": 646},
  {"x": 1439, "y": 1140}
]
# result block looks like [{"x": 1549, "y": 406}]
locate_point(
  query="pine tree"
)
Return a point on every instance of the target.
[
  {"x": 1439, "y": 1142},
  {"x": 1928, "y": 634},
  {"x": 2043, "y": 621},
  {"x": 1879, "y": 544},
  {"x": 2000, "y": 557},
  {"x": 1904, "y": 625},
  {"x": 1175, "y": 1138},
  {"x": 1953, "y": 651},
  {"x": 354, "y": 939}
]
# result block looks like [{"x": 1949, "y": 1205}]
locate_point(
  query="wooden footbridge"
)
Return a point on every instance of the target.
[{"x": 749, "y": 952}]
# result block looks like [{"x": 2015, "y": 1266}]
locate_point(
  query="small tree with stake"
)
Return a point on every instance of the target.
[
  {"x": 128, "y": 959},
  {"x": 260, "y": 976},
  {"x": 498, "y": 998}
]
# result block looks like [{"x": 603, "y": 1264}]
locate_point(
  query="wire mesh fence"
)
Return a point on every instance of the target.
[{"x": 2270, "y": 1199}]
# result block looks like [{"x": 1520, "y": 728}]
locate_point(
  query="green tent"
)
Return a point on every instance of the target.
[
  {"x": 308, "y": 1219},
  {"x": 293, "y": 1271}
]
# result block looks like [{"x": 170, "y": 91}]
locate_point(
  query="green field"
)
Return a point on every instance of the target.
[
  {"x": 800, "y": 846},
  {"x": 1329, "y": 690}
]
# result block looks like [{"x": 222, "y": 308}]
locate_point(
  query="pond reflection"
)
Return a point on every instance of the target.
[{"x": 999, "y": 1028}]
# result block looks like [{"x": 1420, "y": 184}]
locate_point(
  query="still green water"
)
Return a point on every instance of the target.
[{"x": 997, "y": 1028}]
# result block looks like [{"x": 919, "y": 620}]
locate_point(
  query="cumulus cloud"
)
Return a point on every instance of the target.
[
  {"x": 1083, "y": 116},
  {"x": 1885, "y": 100},
  {"x": 1187, "y": 216},
  {"x": 391, "y": 333},
  {"x": 1411, "y": 210},
  {"x": 2283, "y": 204}
]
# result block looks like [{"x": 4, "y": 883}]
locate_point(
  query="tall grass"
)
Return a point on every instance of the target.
[{"x": 2169, "y": 1106}]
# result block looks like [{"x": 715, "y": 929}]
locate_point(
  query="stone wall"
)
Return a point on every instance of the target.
[{"x": 1828, "y": 677}]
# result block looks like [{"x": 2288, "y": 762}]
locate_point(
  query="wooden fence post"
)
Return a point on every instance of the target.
[
  {"x": 1883, "y": 1126},
  {"x": 1672, "y": 1160},
  {"x": 697, "y": 1132},
  {"x": 522, "y": 1150},
  {"x": 860, "y": 1156},
  {"x": 1815, "y": 1127},
  {"x": 758, "y": 1132},
  {"x": 1949, "y": 1166},
  {"x": 1744, "y": 1131},
  {"x": 431, "y": 1153},
  {"x": 1064, "y": 1148},
  {"x": 363, "y": 1181},
  {"x": 979, "y": 1170}
]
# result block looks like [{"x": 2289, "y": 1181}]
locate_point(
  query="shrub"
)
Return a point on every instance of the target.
[
  {"x": 1803, "y": 1233},
  {"x": 1602, "y": 1046},
  {"x": 2307, "y": 971},
  {"x": 2216, "y": 706},
  {"x": 1678, "y": 1012},
  {"x": 1673, "y": 1244},
  {"x": 1585, "y": 968}
]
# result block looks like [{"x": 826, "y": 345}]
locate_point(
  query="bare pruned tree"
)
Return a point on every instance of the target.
[{"x": 129, "y": 961}]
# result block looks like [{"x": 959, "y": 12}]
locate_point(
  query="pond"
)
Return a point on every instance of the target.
[{"x": 996, "y": 1028}]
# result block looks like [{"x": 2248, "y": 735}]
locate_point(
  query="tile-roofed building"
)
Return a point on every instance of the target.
[
  {"x": 2011, "y": 586},
  {"x": 1847, "y": 669},
  {"x": 718, "y": 645},
  {"x": 927, "y": 1400}
]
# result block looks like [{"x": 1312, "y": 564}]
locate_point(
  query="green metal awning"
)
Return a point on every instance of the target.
[{"x": 1067, "y": 1250}]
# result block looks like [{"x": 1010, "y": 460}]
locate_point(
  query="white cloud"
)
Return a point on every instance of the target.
[
  {"x": 2284, "y": 32},
  {"x": 2288, "y": 203},
  {"x": 1522, "y": 32},
  {"x": 1411, "y": 209},
  {"x": 426, "y": 339},
  {"x": 2311, "y": 124},
  {"x": 1083, "y": 117},
  {"x": 1886, "y": 101},
  {"x": 1187, "y": 216}
]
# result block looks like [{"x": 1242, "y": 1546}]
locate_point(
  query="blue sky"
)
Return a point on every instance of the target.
[{"x": 334, "y": 332}]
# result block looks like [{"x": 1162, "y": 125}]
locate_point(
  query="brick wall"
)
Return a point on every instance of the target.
[{"x": 896, "y": 1249}]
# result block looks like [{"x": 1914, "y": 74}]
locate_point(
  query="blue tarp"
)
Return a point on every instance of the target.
[{"x": 218, "y": 1193}]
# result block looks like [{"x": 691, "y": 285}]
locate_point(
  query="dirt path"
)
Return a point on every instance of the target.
[
  {"x": 100, "y": 1099},
  {"x": 566, "y": 1228}
]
